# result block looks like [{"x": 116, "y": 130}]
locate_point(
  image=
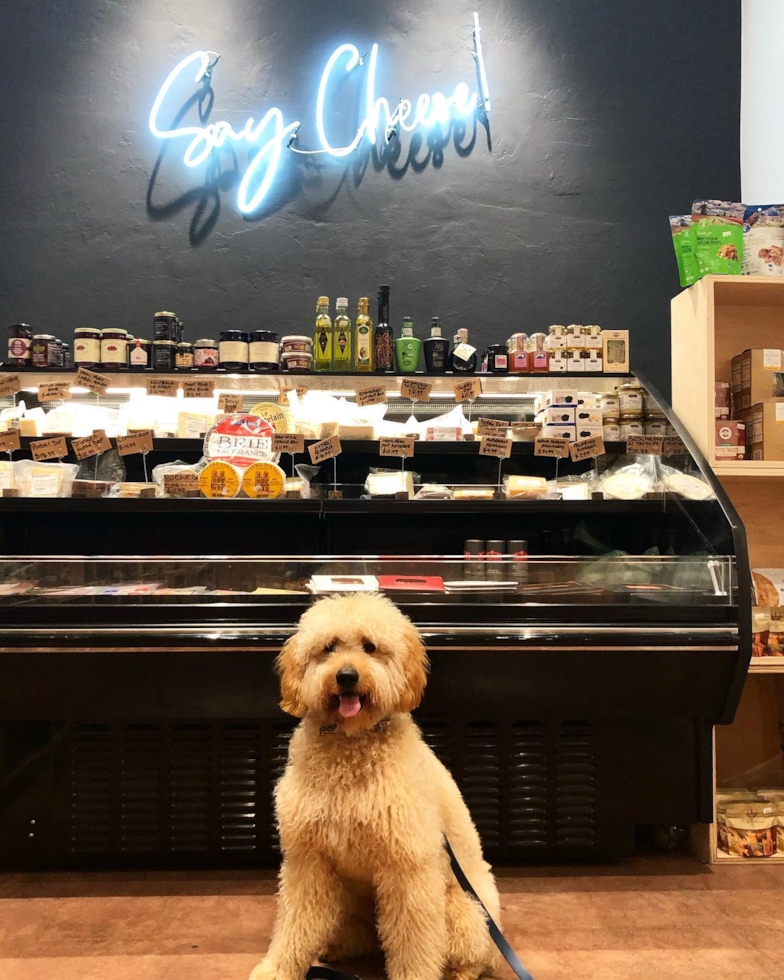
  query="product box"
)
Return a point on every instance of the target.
[
  {"x": 557, "y": 415},
  {"x": 559, "y": 362},
  {"x": 768, "y": 586},
  {"x": 561, "y": 396},
  {"x": 722, "y": 399},
  {"x": 586, "y": 430},
  {"x": 615, "y": 351},
  {"x": 559, "y": 432},
  {"x": 576, "y": 361},
  {"x": 594, "y": 362},
  {"x": 730, "y": 440},
  {"x": 589, "y": 399},
  {"x": 588, "y": 416},
  {"x": 764, "y": 430},
  {"x": 756, "y": 376},
  {"x": 592, "y": 338}
]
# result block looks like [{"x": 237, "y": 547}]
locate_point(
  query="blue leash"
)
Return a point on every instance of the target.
[{"x": 327, "y": 973}]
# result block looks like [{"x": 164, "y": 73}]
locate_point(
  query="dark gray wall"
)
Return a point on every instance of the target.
[{"x": 606, "y": 117}]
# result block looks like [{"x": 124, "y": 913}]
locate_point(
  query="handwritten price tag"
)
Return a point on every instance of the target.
[
  {"x": 180, "y": 484},
  {"x": 9, "y": 441},
  {"x": 558, "y": 448},
  {"x": 230, "y": 403},
  {"x": 674, "y": 446},
  {"x": 198, "y": 387},
  {"x": 91, "y": 445},
  {"x": 54, "y": 448},
  {"x": 586, "y": 448},
  {"x": 11, "y": 492},
  {"x": 54, "y": 391},
  {"x": 283, "y": 396},
  {"x": 491, "y": 427},
  {"x": 89, "y": 379},
  {"x": 10, "y": 385},
  {"x": 163, "y": 386},
  {"x": 644, "y": 445},
  {"x": 392, "y": 446},
  {"x": 137, "y": 442},
  {"x": 467, "y": 391},
  {"x": 325, "y": 449},
  {"x": 288, "y": 442},
  {"x": 376, "y": 395},
  {"x": 417, "y": 391},
  {"x": 495, "y": 446}
]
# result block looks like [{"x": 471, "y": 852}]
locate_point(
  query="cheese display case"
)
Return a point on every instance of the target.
[{"x": 585, "y": 603}]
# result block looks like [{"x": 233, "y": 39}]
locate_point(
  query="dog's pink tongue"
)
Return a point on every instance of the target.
[{"x": 349, "y": 705}]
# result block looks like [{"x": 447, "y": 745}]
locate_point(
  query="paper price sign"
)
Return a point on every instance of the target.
[
  {"x": 491, "y": 427},
  {"x": 137, "y": 442},
  {"x": 586, "y": 448},
  {"x": 198, "y": 387},
  {"x": 163, "y": 386},
  {"x": 283, "y": 396},
  {"x": 495, "y": 446},
  {"x": 376, "y": 395},
  {"x": 644, "y": 445},
  {"x": 54, "y": 448},
  {"x": 556, "y": 447},
  {"x": 9, "y": 441},
  {"x": 11, "y": 492},
  {"x": 417, "y": 391},
  {"x": 674, "y": 446},
  {"x": 467, "y": 391},
  {"x": 325, "y": 449},
  {"x": 178, "y": 484},
  {"x": 391, "y": 446},
  {"x": 90, "y": 445},
  {"x": 230, "y": 403},
  {"x": 10, "y": 385},
  {"x": 89, "y": 379},
  {"x": 288, "y": 442},
  {"x": 54, "y": 391}
]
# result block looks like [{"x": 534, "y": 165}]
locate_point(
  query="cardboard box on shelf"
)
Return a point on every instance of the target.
[
  {"x": 764, "y": 430},
  {"x": 730, "y": 440},
  {"x": 756, "y": 376},
  {"x": 722, "y": 399}
]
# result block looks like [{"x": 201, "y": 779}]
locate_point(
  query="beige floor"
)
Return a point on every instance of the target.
[{"x": 658, "y": 917}]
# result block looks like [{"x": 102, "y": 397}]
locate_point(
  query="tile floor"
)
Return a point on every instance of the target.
[{"x": 655, "y": 917}]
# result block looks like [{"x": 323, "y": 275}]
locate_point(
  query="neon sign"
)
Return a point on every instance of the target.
[{"x": 271, "y": 132}]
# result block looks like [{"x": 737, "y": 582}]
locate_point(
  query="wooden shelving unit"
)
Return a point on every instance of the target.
[{"x": 712, "y": 321}]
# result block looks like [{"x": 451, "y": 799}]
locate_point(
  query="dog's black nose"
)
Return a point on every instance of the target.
[{"x": 347, "y": 677}]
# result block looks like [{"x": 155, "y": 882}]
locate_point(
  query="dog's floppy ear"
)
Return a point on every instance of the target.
[
  {"x": 290, "y": 672},
  {"x": 416, "y": 665}
]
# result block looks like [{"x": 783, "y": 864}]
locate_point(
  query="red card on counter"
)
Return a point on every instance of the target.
[{"x": 411, "y": 583}]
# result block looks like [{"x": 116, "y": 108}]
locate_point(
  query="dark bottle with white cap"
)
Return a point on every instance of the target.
[{"x": 436, "y": 349}]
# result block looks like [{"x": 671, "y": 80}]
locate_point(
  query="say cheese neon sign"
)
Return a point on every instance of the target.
[{"x": 272, "y": 133}]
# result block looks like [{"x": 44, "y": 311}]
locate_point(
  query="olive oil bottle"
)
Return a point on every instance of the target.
[
  {"x": 324, "y": 336},
  {"x": 341, "y": 332},
  {"x": 363, "y": 345}
]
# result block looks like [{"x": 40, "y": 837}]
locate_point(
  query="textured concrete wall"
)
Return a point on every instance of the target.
[{"x": 605, "y": 119}]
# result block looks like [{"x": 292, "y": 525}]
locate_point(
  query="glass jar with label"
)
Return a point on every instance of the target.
[
  {"x": 139, "y": 354},
  {"x": 165, "y": 327},
  {"x": 611, "y": 428},
  {"x": 233, "y": 350},
  {"x": 41, "y": 350},
  {"x": 20, "y": 339},
  {"x": 630, "y": 396},
  {"x": 56, "y": 353},
  {"x": 610, "y": 404},
  {"x": 163, "y": 354},
  {"x": 87, "y": 347},
  {"x": 556, "y": 338},
  {"x": 114, "y": 349},
  {"x": 631, "y": 424},
  {"x": 205, "y": 354},
  {"x": 654, "y": 426},
  {"x": 263, "y": 350},
  {"x": 67, "y": 356},
  {"x": 183, "y": 356},
  {"x": 574, "y": 336},
  {"x": 497, "y": 359}
]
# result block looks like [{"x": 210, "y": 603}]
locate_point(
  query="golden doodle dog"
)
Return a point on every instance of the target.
[{"x": 364, "y": 805}]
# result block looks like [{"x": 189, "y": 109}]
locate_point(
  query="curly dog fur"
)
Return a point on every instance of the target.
[{"x": 363, "y": 807}]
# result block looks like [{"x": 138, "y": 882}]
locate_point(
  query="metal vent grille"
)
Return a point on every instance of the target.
[
  {"x": 575, "y": 785},
  {"x": 528, "y": 785}
]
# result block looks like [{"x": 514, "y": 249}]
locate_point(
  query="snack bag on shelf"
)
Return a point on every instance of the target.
[
  {"x": 763, "y": 241},
  {"x": 718, "y": 237},
  {"x": 683, "y": 240}
]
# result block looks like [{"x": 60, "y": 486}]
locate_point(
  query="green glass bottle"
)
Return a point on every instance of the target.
[
  {"x": 364, "y": 340},
  {"x": 322, "y": 348},
  {"x": 341, "y": 347}
]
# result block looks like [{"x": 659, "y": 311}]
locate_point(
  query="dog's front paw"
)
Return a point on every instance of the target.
[{"x": 266, "y": 970}]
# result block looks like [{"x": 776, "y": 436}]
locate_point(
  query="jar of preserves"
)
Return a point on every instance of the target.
[
  {"x": 497, "y": 359},
  {"x": 233, "y": 350},
  {"x": 42, "y": 350},
  {"x": 183, "y": 356},
  {"x": 20, "y": 339},
  {"x": 205, "y": 355},
  {"x": 556, "y": 337},
  {"x": 574, "y": 336},
  {"x": 263, "y": 350},
  {"x": 630, "y": 396},
  {"x": 114, "y": 349},
  {"x": 67, "y": 356},
  {"x": 139, "y": 354},
  {"x": 611, "y": 428},
  {"x": 296, "y": 344},
  {"x": 610, "y": 404},
  {"x": 87, "y": 347},
  {"x": 518, "y": 354},
  {"x": 165, "y": 326},
  {"x": 163, "y": 354},
  {"x": 655, "y": 426},
  {"x": 631, "y": 424}
]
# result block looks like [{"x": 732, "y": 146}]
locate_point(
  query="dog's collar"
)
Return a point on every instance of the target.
[{"x": 331, "y": 729}]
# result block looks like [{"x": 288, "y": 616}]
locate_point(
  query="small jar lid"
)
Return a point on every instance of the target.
[
  {"x": 296, "y": 336},
  {"x": 264, "y": 335},
  {"x": 632, "y": 416},
  {"x": 20, "y": 326},
  {"x": 292, "y": 355},
  {"x": 112, "y": 331},
  {"x": 240, "y": 335},
  {"x": 43, "y": 336},
  {"x": 184, "y": 343},
  {"x": 206, "y": 342},
  {"x": 497, "y": 349},
  {"x": 87, "y": 330},
  {"x": 140, "y": 340},
  {"x": 159, "y": 343},
  {"x": 166, "y": 313}
]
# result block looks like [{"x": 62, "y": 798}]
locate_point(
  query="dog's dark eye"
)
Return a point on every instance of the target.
[
  {"x": 368, "y": 646},
  {"x": 330, "y": 647}
]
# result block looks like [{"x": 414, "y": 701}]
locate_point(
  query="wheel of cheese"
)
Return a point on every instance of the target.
[
  {"x": 276, "y": 415},
  {"x": 219, "y": 480},
  {"x": 264, "y": 480}
]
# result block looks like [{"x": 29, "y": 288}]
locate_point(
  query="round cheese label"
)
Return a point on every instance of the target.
[
  {"x": 263, "y": 480},
  {"x": 219, "y": 480},
  {"x": 276, "y": 415},
  {"x": 241, "y": 440}
]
